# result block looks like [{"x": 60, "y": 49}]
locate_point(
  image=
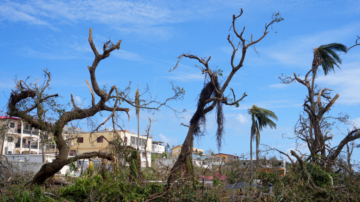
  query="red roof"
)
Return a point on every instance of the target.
[
  {"x": 218, "y": 175},
  {"x": 8, "y": 117}
]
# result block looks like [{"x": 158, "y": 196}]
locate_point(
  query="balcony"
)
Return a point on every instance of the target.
[
  {"x": 29, "y": 132},
  {"x": 27, "y": 146},
  {"x": 50, "y": 146}
]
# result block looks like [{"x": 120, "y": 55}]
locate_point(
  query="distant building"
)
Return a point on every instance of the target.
[
  {"x": 225, "y": 158},
  {"x": 175, "y": 151},
  {"x": 84, "y": 143},
  {"x": 18, "y": 137},
  {"x": 204, "y": 161},
  {"x": 158, "y": 147}
]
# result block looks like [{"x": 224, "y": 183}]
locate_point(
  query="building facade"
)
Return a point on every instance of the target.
[
  {"x": 175, "y": 151},
  {"x": 158, "y": 147},
  {"x": 226, "y": 158},
  {"x": 18, "y": 137},
  {"x": 98, "y": 141}
]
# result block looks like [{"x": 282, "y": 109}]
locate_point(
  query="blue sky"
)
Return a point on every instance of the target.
[{"x": 53, "y": 34}]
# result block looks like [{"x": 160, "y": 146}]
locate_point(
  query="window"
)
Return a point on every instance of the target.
[
  {"x": 9, "y": 152},
  {"x": 10, "y": 139},
  {"x": 12, "y": 125},
  {"x": 143, "y": 155},
  {"x": 99, "y": 140},
  {"x": 80, "y": 140},
  {"x": 46, "y": 137},
  {"x": 125, "y": 139},
  {"x": 132, "y": 140},
  {"x": 26, "y": 127}
]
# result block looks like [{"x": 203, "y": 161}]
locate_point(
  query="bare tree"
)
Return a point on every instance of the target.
[
  {"x": 212, "y": 94},
  {"x": 50, "y": 116}
]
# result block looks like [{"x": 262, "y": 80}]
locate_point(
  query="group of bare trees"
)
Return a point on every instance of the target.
[{"x": 31, "y": 103}]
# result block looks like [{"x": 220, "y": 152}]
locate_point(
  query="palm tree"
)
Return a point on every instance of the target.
[
  {"x": 327, "y": 57},
  {"x": 260, "y": 118},
  {"x": 137, "y": 104}
]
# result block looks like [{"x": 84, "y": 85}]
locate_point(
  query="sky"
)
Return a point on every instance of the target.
[{"x": 53, "y": 35}]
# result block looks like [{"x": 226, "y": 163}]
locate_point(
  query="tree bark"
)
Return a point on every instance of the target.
[
  {"x": 251, "y": 161},
  {"x": 352, "y": 135},
  {"x": 186, "y": 150},
  {"x": 257, "y": 154},
  {"x": 50, "y": 169}
]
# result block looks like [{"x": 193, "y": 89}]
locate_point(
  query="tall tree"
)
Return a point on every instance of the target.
[
  {"x": 137, "y": 104},
  {"x": 260, "y": 118},
  {"x": 212, "y": 94},
  {"x": 52, "y": 117},
  {"x": 310, "y": 128}
]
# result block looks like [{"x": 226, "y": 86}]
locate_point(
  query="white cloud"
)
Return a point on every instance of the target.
[
  {"x": 29, "y": 52},
  {"x": 187, "y": 77},
  {"x": 79, "y": 102},
  {"x": 143, "y": 18},
  {"x": 242, "y": 119},
  {"x": 356, "y": 122},
  {"x": 298, "y": 51},
  {"x": 278, "y": 85},
  {"x": 7, "y": 85},
  {"x": 300, "y": 149},
  {"x": 271, "y": 104},
  {"x": 345, "y": 82},
  {"x": 126, "y": 55},
  {"x": 20, "y": 13},
  {"x": 166, "y": 140}
]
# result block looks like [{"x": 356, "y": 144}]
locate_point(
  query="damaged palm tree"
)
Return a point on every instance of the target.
[
  {"x": 137, "y": 104},
  {"x": 313, "y": 127},
  {"x": 212, "y": 95},
  {"x": 41, "y": 111}
]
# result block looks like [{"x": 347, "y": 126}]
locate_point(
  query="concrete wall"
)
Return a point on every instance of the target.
[
  {"x": 170, "y": 163},
  {"x": 32, "y": 163},
  {"x": 34, "y": 167}
]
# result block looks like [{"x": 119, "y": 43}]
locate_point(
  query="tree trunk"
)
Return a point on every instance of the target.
[
  {"x": 257, "y": 154},
  {"x": 43, "y": 152},
  {"x": 138, "y": 149},
  {"x": 251, "y": 161},
  {"x": 3, "y": 144},
  {"x": 186, "y": 150}
]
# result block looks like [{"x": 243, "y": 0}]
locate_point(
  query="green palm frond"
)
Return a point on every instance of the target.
[
  {"x": 261, "y": 118},
  {"x": 333, "y": 55},
  {"x": 335, "y": 47},
  {"x": 328, "y": 56}
]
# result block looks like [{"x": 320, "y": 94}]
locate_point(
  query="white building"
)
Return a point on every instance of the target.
[
  {"x": 158, "y": 147},
  {"x": 18, "y": 137}
]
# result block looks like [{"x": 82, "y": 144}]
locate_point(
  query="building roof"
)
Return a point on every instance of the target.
[
  {"x": 224, "y": 154},
  {"x": 157, "y": 141},
  {"x": 8, "y": 117}
]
